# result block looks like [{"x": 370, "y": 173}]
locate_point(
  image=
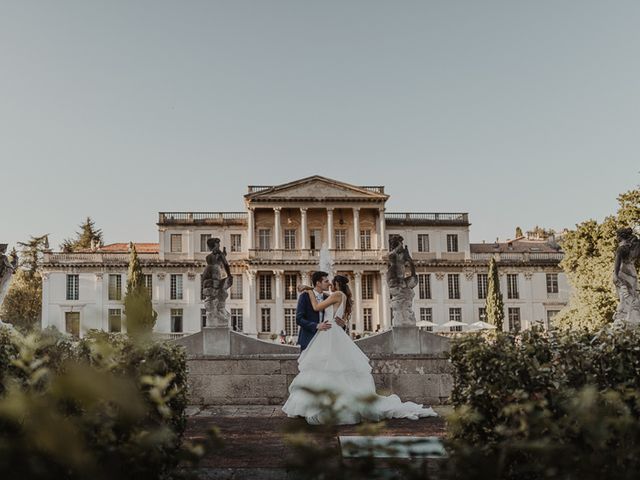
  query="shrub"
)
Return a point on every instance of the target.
[
  {"x": 546, "y": 405},
  {"x": 101, "y": 407}
]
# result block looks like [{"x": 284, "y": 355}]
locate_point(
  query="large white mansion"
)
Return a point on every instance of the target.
[{"x": 274, "y": 245}]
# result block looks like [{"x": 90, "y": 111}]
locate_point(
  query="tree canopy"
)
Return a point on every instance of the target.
[
  {"x": 589, "y": 254},
  {"x": 89, "y": 234}
]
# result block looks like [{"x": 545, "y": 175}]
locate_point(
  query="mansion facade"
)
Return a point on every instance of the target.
[{"x": 274, "y": 245}]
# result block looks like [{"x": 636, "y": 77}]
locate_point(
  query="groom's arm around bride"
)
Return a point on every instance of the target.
[{"x": 308, "y": 320}]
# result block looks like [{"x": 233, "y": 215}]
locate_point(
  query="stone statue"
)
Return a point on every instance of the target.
[
  {"x": 7, "y": 268},
  {"x": 215, "y": 285},
  {"x": 401, "y": 286},
  {"x": 625, "y": 277}
]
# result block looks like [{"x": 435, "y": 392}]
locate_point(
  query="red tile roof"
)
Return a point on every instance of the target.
[{"x": 518, "y": 245}]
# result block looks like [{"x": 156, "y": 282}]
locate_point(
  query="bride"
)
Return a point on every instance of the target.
[{"x": 333, "y": 368}]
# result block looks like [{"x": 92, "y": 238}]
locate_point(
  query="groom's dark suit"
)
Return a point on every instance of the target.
[{"x": 307, "y": 318}]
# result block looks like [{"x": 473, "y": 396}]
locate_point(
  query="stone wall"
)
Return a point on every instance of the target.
[{"x": 264, "y": 379}]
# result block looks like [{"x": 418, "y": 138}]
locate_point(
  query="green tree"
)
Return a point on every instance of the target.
[
  {"x": 494, "y": 305},
  {"x": 138, "y": 309},
  {"x": 519, "y": 232},
  {"x": 589, "y": 253},
  {"x": 87, "y": 235},
  {"x": 22, "y": 305}
]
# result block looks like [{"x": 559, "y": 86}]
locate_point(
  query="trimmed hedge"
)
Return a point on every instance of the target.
[
  {"x": 101, "y": 407},
  {"x": 546, "y": 405}
]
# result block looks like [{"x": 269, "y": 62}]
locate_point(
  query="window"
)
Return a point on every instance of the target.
[
  {"x": 290, "y": 281},
  {"x": 550, "y": 315},
  {"x": 147, "y": 281},
  {"x": 365, "y": 239},
  {"x": 290, "y": 325},
  {"x": 176, "y": 286},
  {"x": 483, "y": 281},
  {"x": 423, "y": 242},
  {"x": 176, "y": 320},
  {"x": 72, "y": 323},
  {"x": 452, "y": 243},
  {"x": 455, "y": 315},
  {"x": 115, "y": 287},
  {"x": 203, "y": 316},
  {"x": 264, "y": 239},
  {"x": 289, "y": 239},
  {"x": 236, "y": 287},
  {"x": 454, "y": 285},
  {"x": 424, "y": 286},
  {"x": 176, "y": 242},
  {"x": 264, "y": 292},
  {"x": 367, "y": 317},
  {"x": 514, "y": 319},
  {"x": 552, "y": 283},
  {"x": 482, "y": 314},
  {"x": 73, "y": 287},
  {"x": 426, "y": 314},
  {"x": 265, "y": 318},
  {"x": 367, "y": 286},
  {"x": 315, "y": 239},
  {"x": 236, "y": 319},
  {"x": 203, "y": 241},
  {"x": 512, "y": 286},
  {"x": 341, "y": 239},
  {"x": 115, "y": 320},
  {"x": 236, "y": 242}
]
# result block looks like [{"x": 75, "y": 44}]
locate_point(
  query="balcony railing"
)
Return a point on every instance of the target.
[
  {"x": 518, "y": 257},
  {"x": 171, "y": 335},
  {"x": 339, "y": 255},
  {"x": 201, "y": 217},
  {"x": 105, "y": 258},
  {"x": 373, "y": 188},
  {"x": 259, "y": 188},
  {"x": 427, "y": 217}
]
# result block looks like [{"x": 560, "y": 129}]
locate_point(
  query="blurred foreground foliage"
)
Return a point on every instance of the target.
[
  {"x": 101, "y": 407},
  {"x": 546, "y": 405}
]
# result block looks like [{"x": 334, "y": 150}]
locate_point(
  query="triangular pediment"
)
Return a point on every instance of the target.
[{"x": 316, "y": 188}]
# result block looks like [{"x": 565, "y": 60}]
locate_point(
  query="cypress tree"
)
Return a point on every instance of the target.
[
  {"x": 519, "y": 232},
  {"x": 138, "y": 309},
  {"x": 494, "y": 304}
]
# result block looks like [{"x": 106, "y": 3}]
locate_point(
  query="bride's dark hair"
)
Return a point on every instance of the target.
[{"x": 342, "y": 283}]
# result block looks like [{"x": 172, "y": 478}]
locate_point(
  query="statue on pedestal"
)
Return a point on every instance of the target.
[
  {"x": 215, "y": 285},
  {"x": 625, "y": 277},
  {"x": 8, "y": 266},
  {"x": 401, "y": 286}
]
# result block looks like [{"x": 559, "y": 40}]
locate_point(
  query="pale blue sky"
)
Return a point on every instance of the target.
[{"x": 121, "y": 109}]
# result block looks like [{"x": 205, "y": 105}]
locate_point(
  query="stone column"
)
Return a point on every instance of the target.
[
  {"x": 356, "y": 315},
  {"x": 162, "y": 242},
  {"x": 303, "y": 228},
  {"x": 99, "y": 293},
  {"x": 382, "y": 232},
  {"x": 356, "y": 228},
  {"x": 45, "y": 301},
  {"x": 251, "y": 227},
  {"x": 330, "y": 228},
  {"x": 305, "y": 278},
  {"x": 384, "y": 304},
  {"x": 279, "y": 313},
  {"x": 277, "y": 227},
  {"x": 250, "y": 323}
]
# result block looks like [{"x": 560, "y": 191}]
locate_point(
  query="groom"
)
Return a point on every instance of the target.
[{"x": 307, "y": 318}]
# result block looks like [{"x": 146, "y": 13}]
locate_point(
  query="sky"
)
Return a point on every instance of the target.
[{"x": 520, "y": 113}]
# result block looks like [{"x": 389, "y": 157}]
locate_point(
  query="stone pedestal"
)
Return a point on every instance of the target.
[
  {"x": 406, "y": 339},
  {"x": 216, "y": 341}
]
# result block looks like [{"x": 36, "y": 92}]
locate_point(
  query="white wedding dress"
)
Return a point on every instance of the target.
[{"x": 333, "y": 363}]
